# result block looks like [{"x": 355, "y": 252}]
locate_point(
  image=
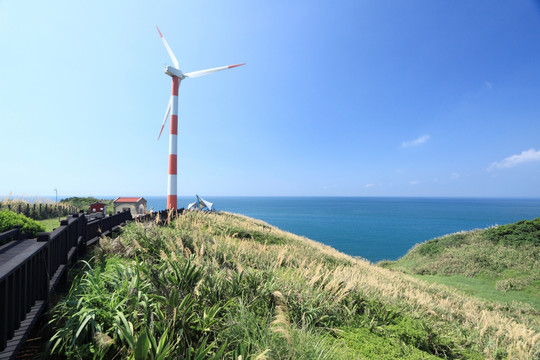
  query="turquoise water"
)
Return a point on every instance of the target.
[{"x": 373, "y": 228}]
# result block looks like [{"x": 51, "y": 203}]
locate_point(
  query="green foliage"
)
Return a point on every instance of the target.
[
  {"x": 120, "y": 302},
  {"x": 489, "y": 289},
  {"x": 501, "y": 264},
  {"x": 83, "y": 203},
  {"x": 521, "y": 233},
  {"x": 420, "y": 335},
  {"x": 50, "y": 224},
  {"x": 437, "y": 246},
  {"x": 218, "y": 286},
  {"x": 80, "y": 201},
  {"x": 365, "y": 344},
  {"x": 505, "y": 253},
  {"x": 9, "y": 219}
]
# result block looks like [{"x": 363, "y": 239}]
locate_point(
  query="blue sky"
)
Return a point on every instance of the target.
[{"x": 342, "y": 98}]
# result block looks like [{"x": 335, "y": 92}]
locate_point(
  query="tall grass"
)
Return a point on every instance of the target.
[
  {"x": 226, "y": 286},
  {"x": 37, "y": 208}
]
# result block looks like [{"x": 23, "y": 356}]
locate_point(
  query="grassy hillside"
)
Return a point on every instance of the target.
[
  {"x": 500, "y": 264},
  {"x": 221, "y": 285}
]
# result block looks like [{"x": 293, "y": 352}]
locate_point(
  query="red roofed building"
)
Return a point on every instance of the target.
[
  {"x": 98, "y": 207},
  {"x": 137, "y": 205}
]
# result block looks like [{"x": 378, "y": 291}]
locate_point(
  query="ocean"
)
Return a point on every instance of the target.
[{"x": 374, "y": 228}]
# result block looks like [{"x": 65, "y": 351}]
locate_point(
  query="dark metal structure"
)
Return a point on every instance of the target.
[{"x": 31, "y": 269}]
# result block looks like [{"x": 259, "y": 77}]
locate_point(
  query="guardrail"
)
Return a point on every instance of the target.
[{"x": 31, "y": 269}]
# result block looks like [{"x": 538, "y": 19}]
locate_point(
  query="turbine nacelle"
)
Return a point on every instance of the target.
[{"x": 174, "y": 72}]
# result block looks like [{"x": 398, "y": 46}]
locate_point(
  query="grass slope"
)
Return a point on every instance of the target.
[
  {"x": 49, "y": 224},
  {"x": 212, "y": 286},
  {"x": 500, "y": 264},
  {"x": 487, "y": 289}
]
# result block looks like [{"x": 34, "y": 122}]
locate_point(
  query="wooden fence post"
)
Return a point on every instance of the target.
[
  {"x": 19, "y": 233},
  {"x": 46, "y": 276},
  {"x": 84, "y": 232}
]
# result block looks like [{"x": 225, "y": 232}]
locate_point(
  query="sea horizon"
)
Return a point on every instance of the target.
[
  {"x": 372, "y": 227},
  {"x": 281, "y": 196}
]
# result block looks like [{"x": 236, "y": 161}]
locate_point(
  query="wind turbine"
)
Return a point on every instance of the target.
[{"x": 177, "y": 76}]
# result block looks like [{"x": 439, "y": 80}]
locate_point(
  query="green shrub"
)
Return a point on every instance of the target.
[
  {"x": 438, "y": 245},
  {"x": 9, "y": 219},
  {"x": 385, "y": 263},
  {"x": 523, "y": 232}
]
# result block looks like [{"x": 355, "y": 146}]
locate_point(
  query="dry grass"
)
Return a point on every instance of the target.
[
  {"x": 310, "y": 271},
  {"x": 308, "y": 260},
  {"x": 23, "y": 200}
]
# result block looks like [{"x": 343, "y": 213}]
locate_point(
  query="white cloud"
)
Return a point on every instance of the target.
[
  {"x": 488, "y": 85},
  {"x": 369, "y": 185},
  {"x": 414, "y": 182},
  {"x": 422, "y": 139},
  {"x": 454, "y": 176},
  {"x": 530, "y": 155}
]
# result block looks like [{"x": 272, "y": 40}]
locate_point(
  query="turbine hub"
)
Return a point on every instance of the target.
[{"x": 174, "y": 72}]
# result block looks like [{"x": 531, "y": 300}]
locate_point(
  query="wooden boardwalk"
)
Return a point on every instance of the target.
[{"x": 13, "y": 253}]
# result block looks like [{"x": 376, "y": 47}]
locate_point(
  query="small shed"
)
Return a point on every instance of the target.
[
  {"x": 136, "y": 205},
  {"x": 98, "y": 207}
]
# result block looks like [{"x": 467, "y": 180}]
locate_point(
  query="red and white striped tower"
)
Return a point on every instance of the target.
[
  {"x": 177, "y": 76},
  {"x": 172, "y": 197}
]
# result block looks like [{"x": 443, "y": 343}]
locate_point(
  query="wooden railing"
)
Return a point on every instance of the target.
[
  {"x": 31, "y": 269},
  {"x": 13, "y": 234}
]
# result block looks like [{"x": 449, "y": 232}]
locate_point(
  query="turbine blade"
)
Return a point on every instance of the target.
[
  {"x": 165, "y": 118},
  {"x": 171, "y": 54},
  {"x": 198, "y": 73}
]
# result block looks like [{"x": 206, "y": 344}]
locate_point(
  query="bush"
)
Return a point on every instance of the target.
[
  {"x": 521, "y": 233},
  {"x": 9, "y": 219},
  {"x": 438, "y": 245}
]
